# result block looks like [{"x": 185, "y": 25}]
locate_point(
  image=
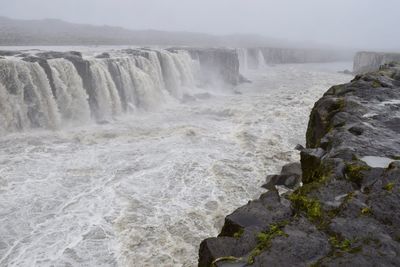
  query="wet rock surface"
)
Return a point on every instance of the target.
[{"x": 347, "y": 211}]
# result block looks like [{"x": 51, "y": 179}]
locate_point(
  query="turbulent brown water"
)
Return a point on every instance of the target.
[{"x": 146, "y": 188}]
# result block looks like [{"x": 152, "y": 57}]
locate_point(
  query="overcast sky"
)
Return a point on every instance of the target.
[{"x": 367, "y": 24}]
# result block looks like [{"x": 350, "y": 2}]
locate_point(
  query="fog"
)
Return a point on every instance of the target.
[{"x": 362, "y": 24}]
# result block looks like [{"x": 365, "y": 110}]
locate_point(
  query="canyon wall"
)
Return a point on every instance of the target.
[
  {"x": 253, "y": 58},
  {"x": 371, "y": 61}
]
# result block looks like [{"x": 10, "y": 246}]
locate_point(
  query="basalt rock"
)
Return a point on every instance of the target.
[
  {"x": 290, "y": 177},
  {"x": 347, "y": 213}
]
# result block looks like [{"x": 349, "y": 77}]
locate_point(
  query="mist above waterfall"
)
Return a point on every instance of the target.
[{"x": 358, "y": 24}]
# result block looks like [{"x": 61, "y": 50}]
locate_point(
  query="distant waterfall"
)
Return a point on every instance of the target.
[
  {"x": 261, "y": 60},
  {"x": 243, "y": 60},
  {"x": 50, "y": 89},
  {"x": 251, "y": 58}
]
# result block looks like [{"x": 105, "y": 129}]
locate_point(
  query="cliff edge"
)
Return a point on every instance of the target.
[{"x": 347, "y": 212}]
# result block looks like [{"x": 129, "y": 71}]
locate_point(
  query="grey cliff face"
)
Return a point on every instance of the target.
[
  {"x": 217, "y": 62},
  {"x": 371, "y": 61}
]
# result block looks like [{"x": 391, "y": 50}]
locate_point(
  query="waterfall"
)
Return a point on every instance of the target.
[
  {"x": 14, "y": 115},
  {"x": 243, "y": 60},
  {"x": 153, "y": 57},
  {"x": 6, "y": 111},
  {"x": 29, "y": 96},
  {"x": 183, "y": 62},
  {"x": 43, "y": 105},
  {"x": 148, "y": 93},
  {"x": 120, "y": 72},
  {"x": 153, "y": 69},
  {"x": 171, "y": 75},
  {"x": 48, "y": 90},
  {"x": 261, "y": 60},
  {"x": 107, "y": 98},
  {"x": 72, "y": 99}
]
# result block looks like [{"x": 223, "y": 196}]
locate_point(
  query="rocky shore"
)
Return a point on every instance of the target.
[{"x": 347, "y": 210}]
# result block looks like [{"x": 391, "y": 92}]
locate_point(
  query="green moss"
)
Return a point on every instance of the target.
[
  {"x": 344, "y": 245},
  {"x": 238, "y": 234},
  {"x": 376, "y": 84},
  {"x": 315, "y": 172},
  {"x": 354, "y": 172},
  {"x": 389, "y": 187},
  {"x": 301, "y": 202},
  {"x": 340, "y": 104},
  {"x": 397, "y": 157},
  {"x": 311, "y": 207},
  {"x": 264, "y": 239},
  {"x": 366, "y": 211}
]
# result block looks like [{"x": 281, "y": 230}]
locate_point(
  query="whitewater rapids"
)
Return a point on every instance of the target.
[{"x": 145, "y": 189}]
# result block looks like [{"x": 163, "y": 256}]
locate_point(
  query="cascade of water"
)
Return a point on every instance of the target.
[
  {"x": 30, "y": 96},
  {"x": 119, "y": 68},
  {"x": 108, "y": 100},
  {"x": 171, "y": 75},
  {"x": 44, "y": 107},
  {"x": 34, "y": 95},
  {"x": 72, "y": 100},
  {"x": 243, "y": 60},
  {"x": 13, "y": 109},
  {"x": 148, "y": 67},
  {"x": 148, "y": 95},
  {"x": 157, "y": 65},
  {"x": 261, "y": 60},
  {"x": 6, "y": 111},
  {"x": 184, "y": 64}
]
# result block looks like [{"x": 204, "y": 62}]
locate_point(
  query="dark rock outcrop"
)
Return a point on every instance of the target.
[
  {"x": 371, "y": 61},
  {"x": 347, "y": 213},
  {"x": 290, "y": 177}
]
